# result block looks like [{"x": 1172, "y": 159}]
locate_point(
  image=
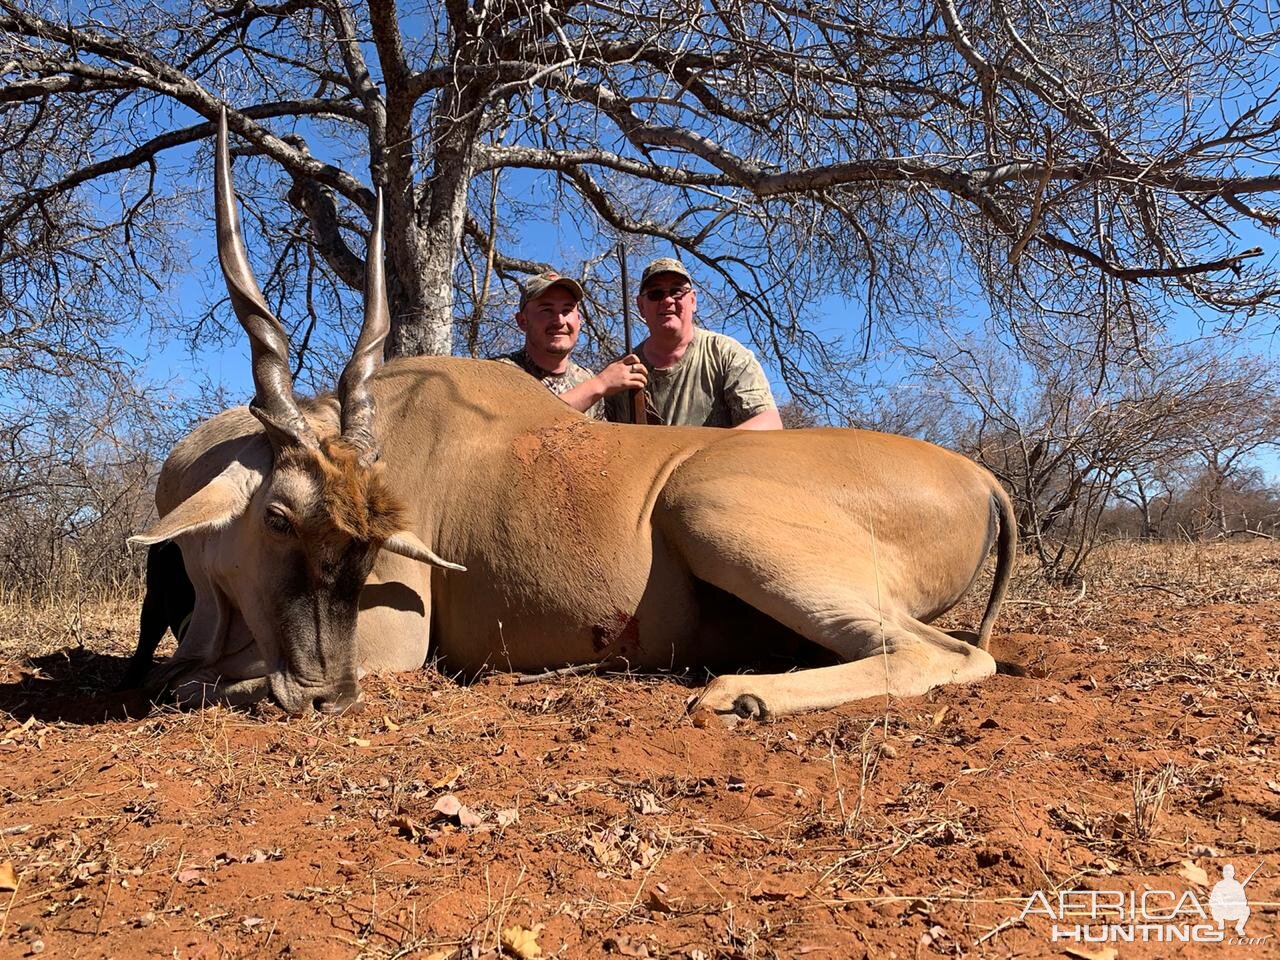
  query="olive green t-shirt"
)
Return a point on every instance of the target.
[
  {"x": 558, "y": 383},
  {"x": 717, "y": 383}
]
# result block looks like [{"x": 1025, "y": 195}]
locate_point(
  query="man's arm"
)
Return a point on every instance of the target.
[
  {"x": 765, "y": 420},
  {"x": 584, "y": 396},
  {"x": 625, "y": 374},
  {"x": 747, "y": 391}
]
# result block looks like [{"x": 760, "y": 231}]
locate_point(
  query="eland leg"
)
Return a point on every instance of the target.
[
  {"x": 818, "y": 572},
  {"x": 900, "y": 657},
  {"x": 166, "y": 605},
  {"x": 196, "y": 693}
]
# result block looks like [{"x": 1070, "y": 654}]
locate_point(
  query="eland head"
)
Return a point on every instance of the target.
[{"x": 292, "y": 543}]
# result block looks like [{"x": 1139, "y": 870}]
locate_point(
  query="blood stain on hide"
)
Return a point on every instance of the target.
[{"x": 620, "y": 630}]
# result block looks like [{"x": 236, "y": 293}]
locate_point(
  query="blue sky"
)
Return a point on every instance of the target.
[{"x": 554, "y": 239}]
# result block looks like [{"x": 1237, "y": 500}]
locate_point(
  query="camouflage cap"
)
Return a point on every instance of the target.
[
  {"x": 663, "y": 265},
  {"x": 540, "y": 283}
]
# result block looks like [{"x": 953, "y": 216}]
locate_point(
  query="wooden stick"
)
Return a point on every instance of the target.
[{"x": 577, "y": 670}]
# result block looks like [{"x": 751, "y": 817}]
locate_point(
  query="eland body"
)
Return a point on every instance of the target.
[{"x": 315, "y": 535}]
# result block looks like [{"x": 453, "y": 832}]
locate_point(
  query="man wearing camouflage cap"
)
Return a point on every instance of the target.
[
  {"x": 549, "y": 318},
  {"x": 695, "y": 377}
]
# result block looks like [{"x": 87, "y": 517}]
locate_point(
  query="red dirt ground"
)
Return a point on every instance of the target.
[{"x": 1139, "y": 754}]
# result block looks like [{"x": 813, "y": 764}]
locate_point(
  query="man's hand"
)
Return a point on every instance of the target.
[{"x": 625, "y": 374}]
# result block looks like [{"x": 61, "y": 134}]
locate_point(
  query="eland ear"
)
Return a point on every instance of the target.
[
  {"x": 405, "y": 544},
  {"x": 213, "y": 506}
]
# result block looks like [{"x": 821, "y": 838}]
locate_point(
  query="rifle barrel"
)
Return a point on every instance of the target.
[
  {"x": 626, "y": 298},
  {"x": 639, "y": 413}
]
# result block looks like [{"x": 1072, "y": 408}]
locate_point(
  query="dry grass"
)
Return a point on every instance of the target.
[{"x": 102, "y": 619}]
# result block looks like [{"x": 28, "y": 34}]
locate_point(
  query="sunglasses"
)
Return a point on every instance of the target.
[{"x": 657, "y": 294}]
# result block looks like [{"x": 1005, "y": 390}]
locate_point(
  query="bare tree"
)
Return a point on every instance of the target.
[
  {"x": 1064, "y": 154},
  {"x": 1067, "y": 437},
  {"x": 76, "y": 474},
  {"x": 1152, "y": 489},
  {"x": 1201, "y": 506},
  {"x": 1227, "y": 439},
  {"x": 1240, "y": 503}
]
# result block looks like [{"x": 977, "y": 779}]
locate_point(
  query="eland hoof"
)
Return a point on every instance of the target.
[{"x": 724, "y": 698}]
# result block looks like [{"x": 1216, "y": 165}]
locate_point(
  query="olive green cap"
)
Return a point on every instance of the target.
[
  {"x": 664, "y": 265},
  {"x": 540, "y": 283}
]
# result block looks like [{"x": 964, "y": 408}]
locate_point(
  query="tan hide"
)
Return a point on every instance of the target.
[{"x": 657, "y": 546}]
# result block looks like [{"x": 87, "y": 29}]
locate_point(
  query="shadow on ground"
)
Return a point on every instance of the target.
[{"x": 72, "y": 685}]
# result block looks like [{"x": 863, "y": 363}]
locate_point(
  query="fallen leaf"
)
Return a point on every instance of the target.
[
  {"x": 647, "y": 803},
  {"x": 507, "y": 817},
  {"x": 406, "y": 826},
  {"x": 1189, "y": 871},
  {"x": 658, "y": 903},
  {"x": 932, "y": 936},
  {"x": 1106, "y": 953},
  {"x": 627, "y": 947},
  {"x": 8, "y": 877},
  {"x": 191, "y": 875},
  {"x": 447, "y": 783},
  {"x": 448, "y": 805},
  {"x": 14, "y": 732},
  {"x": 522, "y": 943},
  {"x": 451, "y": 806},
  {"x": 359, "y": 742},
  {"x": 87, "y": 869},
  {"x": 605, "y": 851}
]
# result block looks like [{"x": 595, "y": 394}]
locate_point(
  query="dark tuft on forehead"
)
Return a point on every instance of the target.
[{"x": 356, "y": 498}]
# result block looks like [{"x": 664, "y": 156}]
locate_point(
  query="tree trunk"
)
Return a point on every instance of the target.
[
  {"x": 427, "y": 234},
  {"x": 425, "y": 223},
  {"x": 422, "y": 310}
]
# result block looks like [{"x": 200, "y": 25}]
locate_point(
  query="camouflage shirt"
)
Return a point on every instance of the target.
[
  {"x": 717, "y": 383},
  {"x": 557, "y": 383}
]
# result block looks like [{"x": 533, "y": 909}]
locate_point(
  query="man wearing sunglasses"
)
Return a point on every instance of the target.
[
  {"x": 696, "y": 378},
  {"x": 549, "y": 318}
]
